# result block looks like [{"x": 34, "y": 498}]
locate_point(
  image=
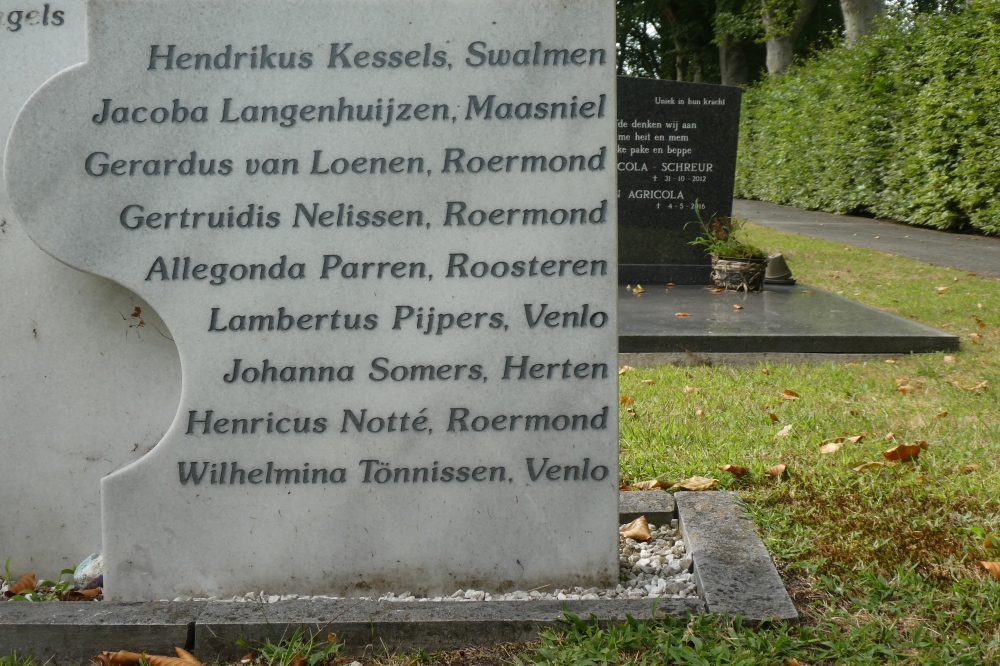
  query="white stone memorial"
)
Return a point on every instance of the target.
[
  {"x": 85, "y": 386},
  {"x": 383, "y": 236}
]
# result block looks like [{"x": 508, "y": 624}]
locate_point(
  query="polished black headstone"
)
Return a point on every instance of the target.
[{"x": 676, "y": 146}]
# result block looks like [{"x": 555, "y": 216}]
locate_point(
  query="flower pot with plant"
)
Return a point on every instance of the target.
[{"x": 736, "y": 264}]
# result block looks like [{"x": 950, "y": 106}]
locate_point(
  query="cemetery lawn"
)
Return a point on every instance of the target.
[{"x": 883, "y": 564}]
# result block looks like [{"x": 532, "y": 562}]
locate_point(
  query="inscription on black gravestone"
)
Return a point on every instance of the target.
[{"x": 676, "y": 150}]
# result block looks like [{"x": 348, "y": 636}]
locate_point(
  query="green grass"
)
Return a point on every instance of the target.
[{"x": 883, "y": 564}]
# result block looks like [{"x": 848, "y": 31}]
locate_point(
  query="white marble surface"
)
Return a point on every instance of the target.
[
  {"x": 84, "y": 389},
  {"x": 497, "y": 524}
]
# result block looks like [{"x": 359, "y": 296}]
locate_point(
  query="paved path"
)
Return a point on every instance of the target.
[{"x": 978, "y": 254}]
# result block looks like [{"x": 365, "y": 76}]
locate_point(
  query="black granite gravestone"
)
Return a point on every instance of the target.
[{"x": 676, "y": 150}]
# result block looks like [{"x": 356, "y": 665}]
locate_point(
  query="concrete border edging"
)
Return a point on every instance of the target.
[{"x": 733, "y": 570}]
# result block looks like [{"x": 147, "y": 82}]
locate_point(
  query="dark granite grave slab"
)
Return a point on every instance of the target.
[
  {"x": 789, "y": 319},
  {"x": 676, "y": 146},
  {"x": 734, "y": 571}
]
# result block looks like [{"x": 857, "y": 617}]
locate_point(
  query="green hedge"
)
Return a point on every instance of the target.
[{"x": 905, "y": 125}]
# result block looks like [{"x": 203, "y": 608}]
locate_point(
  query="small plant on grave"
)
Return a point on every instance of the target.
[
  {"x": 299, "y": 649},
  {"x": 723, "y": 236}
]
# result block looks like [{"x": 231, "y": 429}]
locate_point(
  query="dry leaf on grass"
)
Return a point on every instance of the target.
[
  {"x": 890, "y": 437},
  {"x": 187, "y": 656},
  {"x": 773, "y": 417},
  {"x": 297, "y": 660},
  {"x": 903, "y": 452},
  {"x": 904, "y": 389},
  {"x": 922, "y": 444},
  {"x": 690, "y": 390},
  {"x": 648, "y": 382},
  {"x": 694, "y": 483},
  {"x": 942, "y": 288},
  {"x": 683, "y": 314},
  {"x": 975, "y": 335},
  {"x": 120, "y": 658},
  {"x": 891, "y": 361},
  {"x": 950, "y": 359},
  {"x": 765, "y": 371},
  {"x": 699, "y": 412},
  {"x": 784, "y": 431},
  {"x": 792, "y": 661},
  {"x": 971, "y": 467},
  {"x": 941, "y": 414},
  {"x": 638, "y": 529},
  {"x": 625, "y": 369},
  {"x": 631, "y": 412},
  {"x": 790, "y": 394},
  {"x": 979, "y": 322},
  {"x": 777, "y": 470},
  {"x": 735, "y": 470},
  {"x": 869, "y": 465},
  {"x": 832, "y": 447},
  {"x": 652, "y": 484},
  {"x": 247, "y": 658},
  {"x": 855, "y": 439},
  {"x": 832, "y": 439},
  {"x": 626, "y": 400},
  {"x": 993, "y": 568},
  {"x": 976, "y": 387},
  {"x": 25, "y": 583},
  {"x": 126, "y": 658}
]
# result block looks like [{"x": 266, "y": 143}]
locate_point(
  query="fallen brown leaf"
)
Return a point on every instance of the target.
[
  {"x": 890, "y": 437},
  {"x": 694, "y": 483},
  {"x": 792, "y": 661},
  {"x": 832, "y": 447},
  {"x": 187, "y": 656},
  {"x": 773, "y": 417},
  {"x": 971, "y": 467},
  {"x": 737, "y": 306},
  {"x": 649, "y": 382},
  {"x": 82, "y": 595},
  {"x": 652, "y": 484},
  {"x": 950, "y": 359},
  {"x": 714, "y": 290},
  {"x": 625, "y": 369},
  {"x": 981, "y": 385},
  {"x": 671, "y": 284},
  {"x": 626, "y": 400},
  {"x": 902, "y": 452},
  {"x": 941, "y": 414},
  {"x": 790, "y": 394},
  {"x": 922, "y": 444},
  {"x": 247, "y": 658},
  {"x": 906, "y": 388},
  {"x": 855, "y": 439},
  {"x": 868, "y": 465},
  {"x": 979, "y": 322},
  {"x": 638, "y": 289},
  {"x": 777, "y": 470},
  {"x": 160, "y": 660},
  {"x": 735, "y": 470},
  {"x": 690, "y": 390},
  {"x": 699, "y": 412},
  {"x": 765, "y": 371},
  {"x": 975, "y": 335},
  {"x": 993, "y": 568},
  {"x": 631, "y": 412},
  {"x": 683, "y": 314},
  {"x": 120, "y": 658},
  {"x": 853, "y": 412},
  {"x": 25, "y": 583},
  {"x": 297, "y": 660},
  {"x": 638, "y": 529},
  {"x": 832, "y": 439},
  {"x": 891, "y": 361},
  {"x": 784, "y": 431}
]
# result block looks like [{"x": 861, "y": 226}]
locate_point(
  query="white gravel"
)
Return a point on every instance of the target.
[{"x": 650, "y": 569}]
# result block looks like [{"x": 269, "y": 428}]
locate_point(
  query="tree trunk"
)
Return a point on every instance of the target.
[
  {"x": 859, "y": 16},
  {"x": 781, "y": 42},
  {"x": 733, "y": 63}
]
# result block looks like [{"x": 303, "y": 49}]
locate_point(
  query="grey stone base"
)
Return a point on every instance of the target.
[
  {"x": 733, "y": 570},
  {"x": 694, "y": 359}
]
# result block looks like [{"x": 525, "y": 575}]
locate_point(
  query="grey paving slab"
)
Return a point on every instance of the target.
[
  {"x": 734, "y": 571},
  {"x": 657, "y": 505},
  {"x": 73, "y": 632},
  {"x": 967, "y": 252},
  {"x": 367, "y": 625},
  {"x": 789, "y": 319}
]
